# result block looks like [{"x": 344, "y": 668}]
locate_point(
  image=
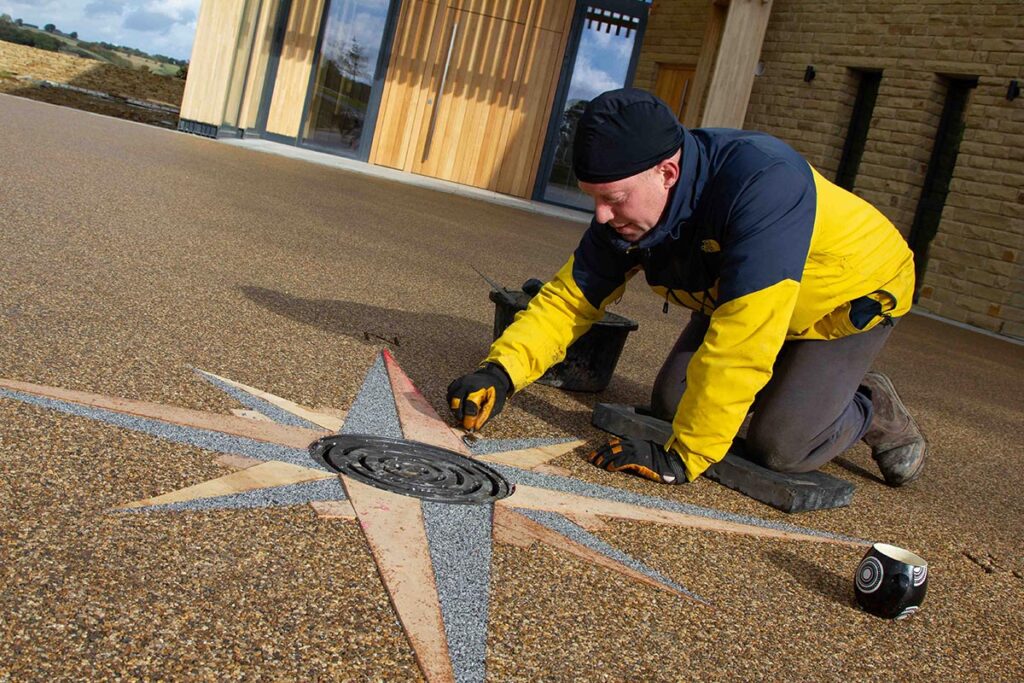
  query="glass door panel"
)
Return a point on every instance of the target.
[
  {"x": 608, "y": 36},
  {"x": 346, "y": 76}
]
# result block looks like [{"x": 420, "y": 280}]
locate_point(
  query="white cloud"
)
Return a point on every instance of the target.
[
  {"x": 601, "y": 64},
  {"x": 157, "y": 26},
  {"x": 610, "y": 44},
  {"x": 148, "y": 22},
  {"x": 102, "y": 8},
  {"x": 589, "y": 81},
  {"x": 366, "y": 29}
]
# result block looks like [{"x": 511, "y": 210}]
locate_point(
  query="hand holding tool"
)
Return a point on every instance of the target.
[{"x": 476, "y": 397}]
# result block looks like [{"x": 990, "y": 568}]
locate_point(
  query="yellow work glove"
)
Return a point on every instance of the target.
[
  {"x": 643, "y": 458},
  {"x": 478, "y": 396}
]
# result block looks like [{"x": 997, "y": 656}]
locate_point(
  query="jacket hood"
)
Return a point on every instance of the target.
[{"x": 682, "y": 202}]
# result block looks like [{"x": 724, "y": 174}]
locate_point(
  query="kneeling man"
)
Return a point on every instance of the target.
[{"x": 795, "y": 285}]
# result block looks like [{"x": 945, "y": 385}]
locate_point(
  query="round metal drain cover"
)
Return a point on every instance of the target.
[{"x": 411, "y": 468}]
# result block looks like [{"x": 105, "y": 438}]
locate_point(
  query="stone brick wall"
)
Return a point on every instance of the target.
[
  {"x": 976, "y": 262},
  {"x": 976, "y": 265}
]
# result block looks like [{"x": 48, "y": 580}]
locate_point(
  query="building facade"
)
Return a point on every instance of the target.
[{"x": 910, "y": 104}]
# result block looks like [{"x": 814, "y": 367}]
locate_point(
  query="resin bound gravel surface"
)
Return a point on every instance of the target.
[{"x": 132, "y": 255}]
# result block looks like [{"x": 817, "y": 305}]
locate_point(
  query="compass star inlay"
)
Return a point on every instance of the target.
[{"x": 434, "y": 558}]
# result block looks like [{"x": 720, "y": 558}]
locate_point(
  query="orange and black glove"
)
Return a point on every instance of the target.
[
  {"x": 479, "y": 396},
  {"x": 643, "y": 458}
]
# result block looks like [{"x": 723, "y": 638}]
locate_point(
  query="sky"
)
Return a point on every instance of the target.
[
  {"x": 601, "y": 63},
  {"x": 168, "y": 27},
  {"x": 164, "y": 27}
]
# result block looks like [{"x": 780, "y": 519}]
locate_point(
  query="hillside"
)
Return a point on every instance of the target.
[
  {"x": 21, "y": 69},
  {"x": 58, "y": 41}
]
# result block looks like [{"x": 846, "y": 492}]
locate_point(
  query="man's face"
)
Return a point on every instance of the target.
[{"x": 634, "y": 205}]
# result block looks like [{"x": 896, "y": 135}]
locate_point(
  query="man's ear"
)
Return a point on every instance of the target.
[{"x": 669, "y": 170}]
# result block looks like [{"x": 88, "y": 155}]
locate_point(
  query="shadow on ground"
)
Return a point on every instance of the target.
[
  {"x": 854, "y": 468},
  {"x": 430, "y": 345},
  {"x": 813, "y": 577}
]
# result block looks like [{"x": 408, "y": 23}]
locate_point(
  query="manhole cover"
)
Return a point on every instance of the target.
[{"x": 411, "y": 468}]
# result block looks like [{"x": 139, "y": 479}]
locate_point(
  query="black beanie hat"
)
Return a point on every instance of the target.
[{"x": 621, "y": 133}]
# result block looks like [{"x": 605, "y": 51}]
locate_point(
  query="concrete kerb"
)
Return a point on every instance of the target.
[{"x": 917, "y": 310}]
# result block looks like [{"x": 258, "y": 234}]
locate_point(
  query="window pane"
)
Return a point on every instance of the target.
[
  {"x": 601, "y": 64},
  {"x": 353, "y": 33}
]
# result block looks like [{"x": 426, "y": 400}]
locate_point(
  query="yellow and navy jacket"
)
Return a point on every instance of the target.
[{"x": 752, "y": 236}]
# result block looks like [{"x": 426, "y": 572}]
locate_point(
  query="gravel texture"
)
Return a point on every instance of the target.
[
  {"x": 575, "y": 532},
  {"x": 131, "y": 255},
  {"x": 373, "y": 411},
  {"x": 582, "y": 488},
  {"x": 259, "y": 405},
  {"x": 203, "y": 438},
  {"x": 488, "y": 446},
  {"x": 278, "y": 496},
  {"x": 460, "y": 549}
]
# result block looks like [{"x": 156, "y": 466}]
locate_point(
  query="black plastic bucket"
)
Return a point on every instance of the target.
[{"x": 590, "y": 362}]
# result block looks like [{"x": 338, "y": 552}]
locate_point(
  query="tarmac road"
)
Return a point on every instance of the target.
[{"x": 131, "y": 255}]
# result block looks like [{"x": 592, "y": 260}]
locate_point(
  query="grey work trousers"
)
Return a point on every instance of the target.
[{"x": 812, "y": 408}]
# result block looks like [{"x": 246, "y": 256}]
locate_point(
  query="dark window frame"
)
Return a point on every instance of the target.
[
  {"x": 941, "y": 166},
  {"x": 577, "y": 26},
  {"x": 868, "y": 84}
]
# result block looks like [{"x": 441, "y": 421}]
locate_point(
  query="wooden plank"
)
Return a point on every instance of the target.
[
  {"x": 510, "y": 524},
  {"x": 393, "y": 526},
  {"x": 533, "y": 498},
  {"x": 269, "y": 432},
  {"x": 588, "y": 522},
  {"x": 293, "y": 69},
  {"x": 552, "y": 14},
  {"x": 258, "y": 62},
  {"x": 709, "y": 48},
  {"x": 236, "y": 462},
  {"x": 419, "y": 420},
  {"x": 410, "y": 77},
  {"x": 213, "y": 52},
  {"x": 553, "y": 469},
  {"x": 250, "y": 414},
  {"x": 510, "y": 119},
  {"x": 245, "y": 43},
  {"x": 331, "y": 422},
  {"x": 333, "y": 509},
  {"x": 529, "y": 458},
  {"x": 531, "y": 105},
  {"x": 483, "y": 98},
  {"x": 265, "y": 475},
  {"x": 733, "y": 76},
  {"x": 507, "y": 10}
]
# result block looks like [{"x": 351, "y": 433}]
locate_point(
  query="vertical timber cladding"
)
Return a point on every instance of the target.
[
  {"x": 294, "y": 67},
  {"x": 257, "y": 66},
  {"x": 469, "y": 90},
  {"x": 213, "y": 52}
]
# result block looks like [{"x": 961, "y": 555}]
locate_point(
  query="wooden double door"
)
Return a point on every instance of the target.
[{"x": 470, "y": 88}]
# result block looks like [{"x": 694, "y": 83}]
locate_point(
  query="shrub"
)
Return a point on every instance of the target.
[{"x": 13, "y": 34}]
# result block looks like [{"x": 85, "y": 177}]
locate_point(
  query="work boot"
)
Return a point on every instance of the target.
[{"x": 897, "y": 444}]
